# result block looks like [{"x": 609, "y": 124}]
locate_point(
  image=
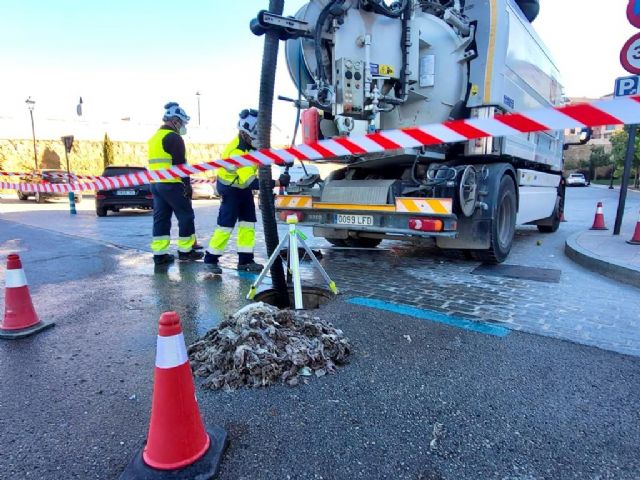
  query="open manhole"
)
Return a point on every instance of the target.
[{"x": 312, "y": 297}]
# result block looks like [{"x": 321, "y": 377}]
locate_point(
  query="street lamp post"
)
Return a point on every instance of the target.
[
  {"x": 30, "y": 104},
  {"x": 198, "y": 97}
]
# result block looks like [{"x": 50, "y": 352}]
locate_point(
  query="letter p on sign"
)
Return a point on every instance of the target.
[{"x": 626, "y": 86}]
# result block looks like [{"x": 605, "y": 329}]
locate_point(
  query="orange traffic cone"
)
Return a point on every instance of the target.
[
  {"x": 635, "y": 240},
  {"x": 20, "y": 318},
  {"x": 178, "y": 446},
  {"x": 598, "y": 220}
]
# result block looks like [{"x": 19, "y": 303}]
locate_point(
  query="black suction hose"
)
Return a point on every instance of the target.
[{"x": 265, "y": 110}]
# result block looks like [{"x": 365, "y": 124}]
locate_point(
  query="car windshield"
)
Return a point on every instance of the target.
[{"x": 112, "y": 172}]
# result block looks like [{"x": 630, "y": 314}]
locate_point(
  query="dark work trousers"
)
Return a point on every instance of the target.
[
  {"x": 168, "y": 199},
  {"x": 237, "y": 206}
]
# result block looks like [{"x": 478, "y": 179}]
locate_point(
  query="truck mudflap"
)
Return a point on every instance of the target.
[{"x": 422, "y": 217}]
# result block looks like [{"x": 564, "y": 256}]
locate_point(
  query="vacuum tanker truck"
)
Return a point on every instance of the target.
[{"x": 363, "y": 66}]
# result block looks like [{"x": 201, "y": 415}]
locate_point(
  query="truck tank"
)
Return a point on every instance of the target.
[{"x": 452, "y": 67}]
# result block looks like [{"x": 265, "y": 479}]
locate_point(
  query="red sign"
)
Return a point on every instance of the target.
[
  {"x": 630, "y": 55},
  {"x": 633, "y": 13}
]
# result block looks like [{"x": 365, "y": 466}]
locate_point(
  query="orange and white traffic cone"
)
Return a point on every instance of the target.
[
  {"x": 178, "y": 445},
  {"x": 635, "y": 240},
  {"x": 20, "y": 318},
  {"x": 598, "y": 220}
]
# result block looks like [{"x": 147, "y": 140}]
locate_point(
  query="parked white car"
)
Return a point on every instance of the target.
[
  {"x": 576, "y": 180},
  {"x": 204, "y": 190}
]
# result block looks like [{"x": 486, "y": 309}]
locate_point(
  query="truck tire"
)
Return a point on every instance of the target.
[
  {"x": 22, "y": 197},
  {"x": 363, "y": 242},
  {"x": 39, "y": 198},
  {"x": 556, "y": 216},
  {"x": 557, "y": 213},
  {"x": 101, "y": 211},
  {"x": 503, "y": 226}
]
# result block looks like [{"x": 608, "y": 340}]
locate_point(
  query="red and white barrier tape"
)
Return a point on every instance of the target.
[{"x": 618, "y": 111}]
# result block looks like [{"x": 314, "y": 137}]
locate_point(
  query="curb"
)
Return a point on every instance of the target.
[
  {"x": 601, "y": 265},
  {"x": 616, "y": 188}
]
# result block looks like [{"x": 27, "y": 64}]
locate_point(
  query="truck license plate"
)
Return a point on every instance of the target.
[
  {"x": 366, "y": 220},
  {"x": 125, "y": 192}
]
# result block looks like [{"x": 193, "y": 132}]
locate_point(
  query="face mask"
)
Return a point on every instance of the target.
[{"x": 182, "y": 130}]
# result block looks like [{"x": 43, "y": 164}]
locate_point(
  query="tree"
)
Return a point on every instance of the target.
[
  {"x": 598, "y": 158},
  {"x": 107, "y": 151},
  {"x": 619, "y": 142}
]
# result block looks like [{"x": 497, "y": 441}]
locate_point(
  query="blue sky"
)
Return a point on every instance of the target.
[{"x": 127, "y": 58}]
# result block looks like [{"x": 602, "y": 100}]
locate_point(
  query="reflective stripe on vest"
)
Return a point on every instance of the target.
[
  {"x": 242, "y": 177},
  {"x": 159, "y": 159}
]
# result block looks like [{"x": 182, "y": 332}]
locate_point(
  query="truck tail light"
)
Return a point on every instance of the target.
[
  {"x": 149, "y": 196},
  {"x": 285, "y": 213},
  {"x": 100, "y": 196},
  {"x": 426, "y": 224}
]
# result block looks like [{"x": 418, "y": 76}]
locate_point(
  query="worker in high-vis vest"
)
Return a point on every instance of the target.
[
  {"x": 236, "y": 186},
  {"x": 171, "y": 196}
]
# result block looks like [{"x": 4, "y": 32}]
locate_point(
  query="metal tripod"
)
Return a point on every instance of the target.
[{"x": 293, "y": 261}]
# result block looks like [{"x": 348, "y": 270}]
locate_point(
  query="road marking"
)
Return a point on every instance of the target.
[{"x": 458, "y": 322}]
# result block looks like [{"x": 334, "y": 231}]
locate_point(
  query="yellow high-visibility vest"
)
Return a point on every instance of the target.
[
  {"x": 159, "y": 159},
  {"x": 243, "y": 176}
]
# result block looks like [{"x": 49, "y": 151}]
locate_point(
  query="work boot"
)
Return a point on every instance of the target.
[
  {"x": 214, "y": 268},
  {"x": 164, "y": 259},
  {"x": 212, "y": 261},
  {"x": 190, "y": 256},
  {"x": 252, "y": 267}
]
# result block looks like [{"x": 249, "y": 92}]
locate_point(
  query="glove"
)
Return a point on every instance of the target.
[{"x": 284, "y": 180}]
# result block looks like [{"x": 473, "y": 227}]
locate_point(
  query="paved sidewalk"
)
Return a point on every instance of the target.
[{"x": 608, "y": 254}]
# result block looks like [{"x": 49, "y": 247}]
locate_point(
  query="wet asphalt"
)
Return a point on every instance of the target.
[{"x": 419, "y": 400}]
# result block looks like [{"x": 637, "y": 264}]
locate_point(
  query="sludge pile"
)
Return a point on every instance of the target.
[{"x": 261, "y": 345}]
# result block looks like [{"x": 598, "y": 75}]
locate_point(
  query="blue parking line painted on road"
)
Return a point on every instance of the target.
[{"x": 472, "y": 325}]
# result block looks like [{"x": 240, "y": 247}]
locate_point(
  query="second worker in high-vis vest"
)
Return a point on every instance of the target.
[
  {"x": 173, "y": 195},
  {"x": 236, "y": 189}
]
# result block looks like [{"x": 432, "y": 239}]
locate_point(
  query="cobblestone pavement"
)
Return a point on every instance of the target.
[{"x": 583, "y": 307}]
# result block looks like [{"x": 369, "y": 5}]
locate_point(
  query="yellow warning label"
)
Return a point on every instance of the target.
[
  {"x": 293, "y": 201},
  {"x": 387, "y": 70},
  {"x": 474, "y": 89},
  {"x": 441, "y": 206}
]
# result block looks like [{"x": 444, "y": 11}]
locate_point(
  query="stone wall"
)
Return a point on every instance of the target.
[{"x": 86, "y": 156}]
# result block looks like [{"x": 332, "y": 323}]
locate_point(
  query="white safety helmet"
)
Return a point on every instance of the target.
[
  {"x": 173, "y": 110},
  {"x": 248, "y": 122}
]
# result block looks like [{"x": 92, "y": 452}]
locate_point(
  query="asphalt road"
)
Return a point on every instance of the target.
[{"x": 419, "y": 400}]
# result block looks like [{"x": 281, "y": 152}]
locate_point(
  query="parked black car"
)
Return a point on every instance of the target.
[
  {"x": 129, "y": 197},
  {"x": 44, "y": 177}
]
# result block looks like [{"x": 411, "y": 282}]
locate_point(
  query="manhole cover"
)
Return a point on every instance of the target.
[{"x": 536, "y": 274}]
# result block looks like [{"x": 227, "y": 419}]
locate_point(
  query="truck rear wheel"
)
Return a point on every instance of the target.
[{"x": 503, "y": 226}]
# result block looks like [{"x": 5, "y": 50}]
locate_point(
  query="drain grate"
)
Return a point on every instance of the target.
[{"x": 520, "y": 272}]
